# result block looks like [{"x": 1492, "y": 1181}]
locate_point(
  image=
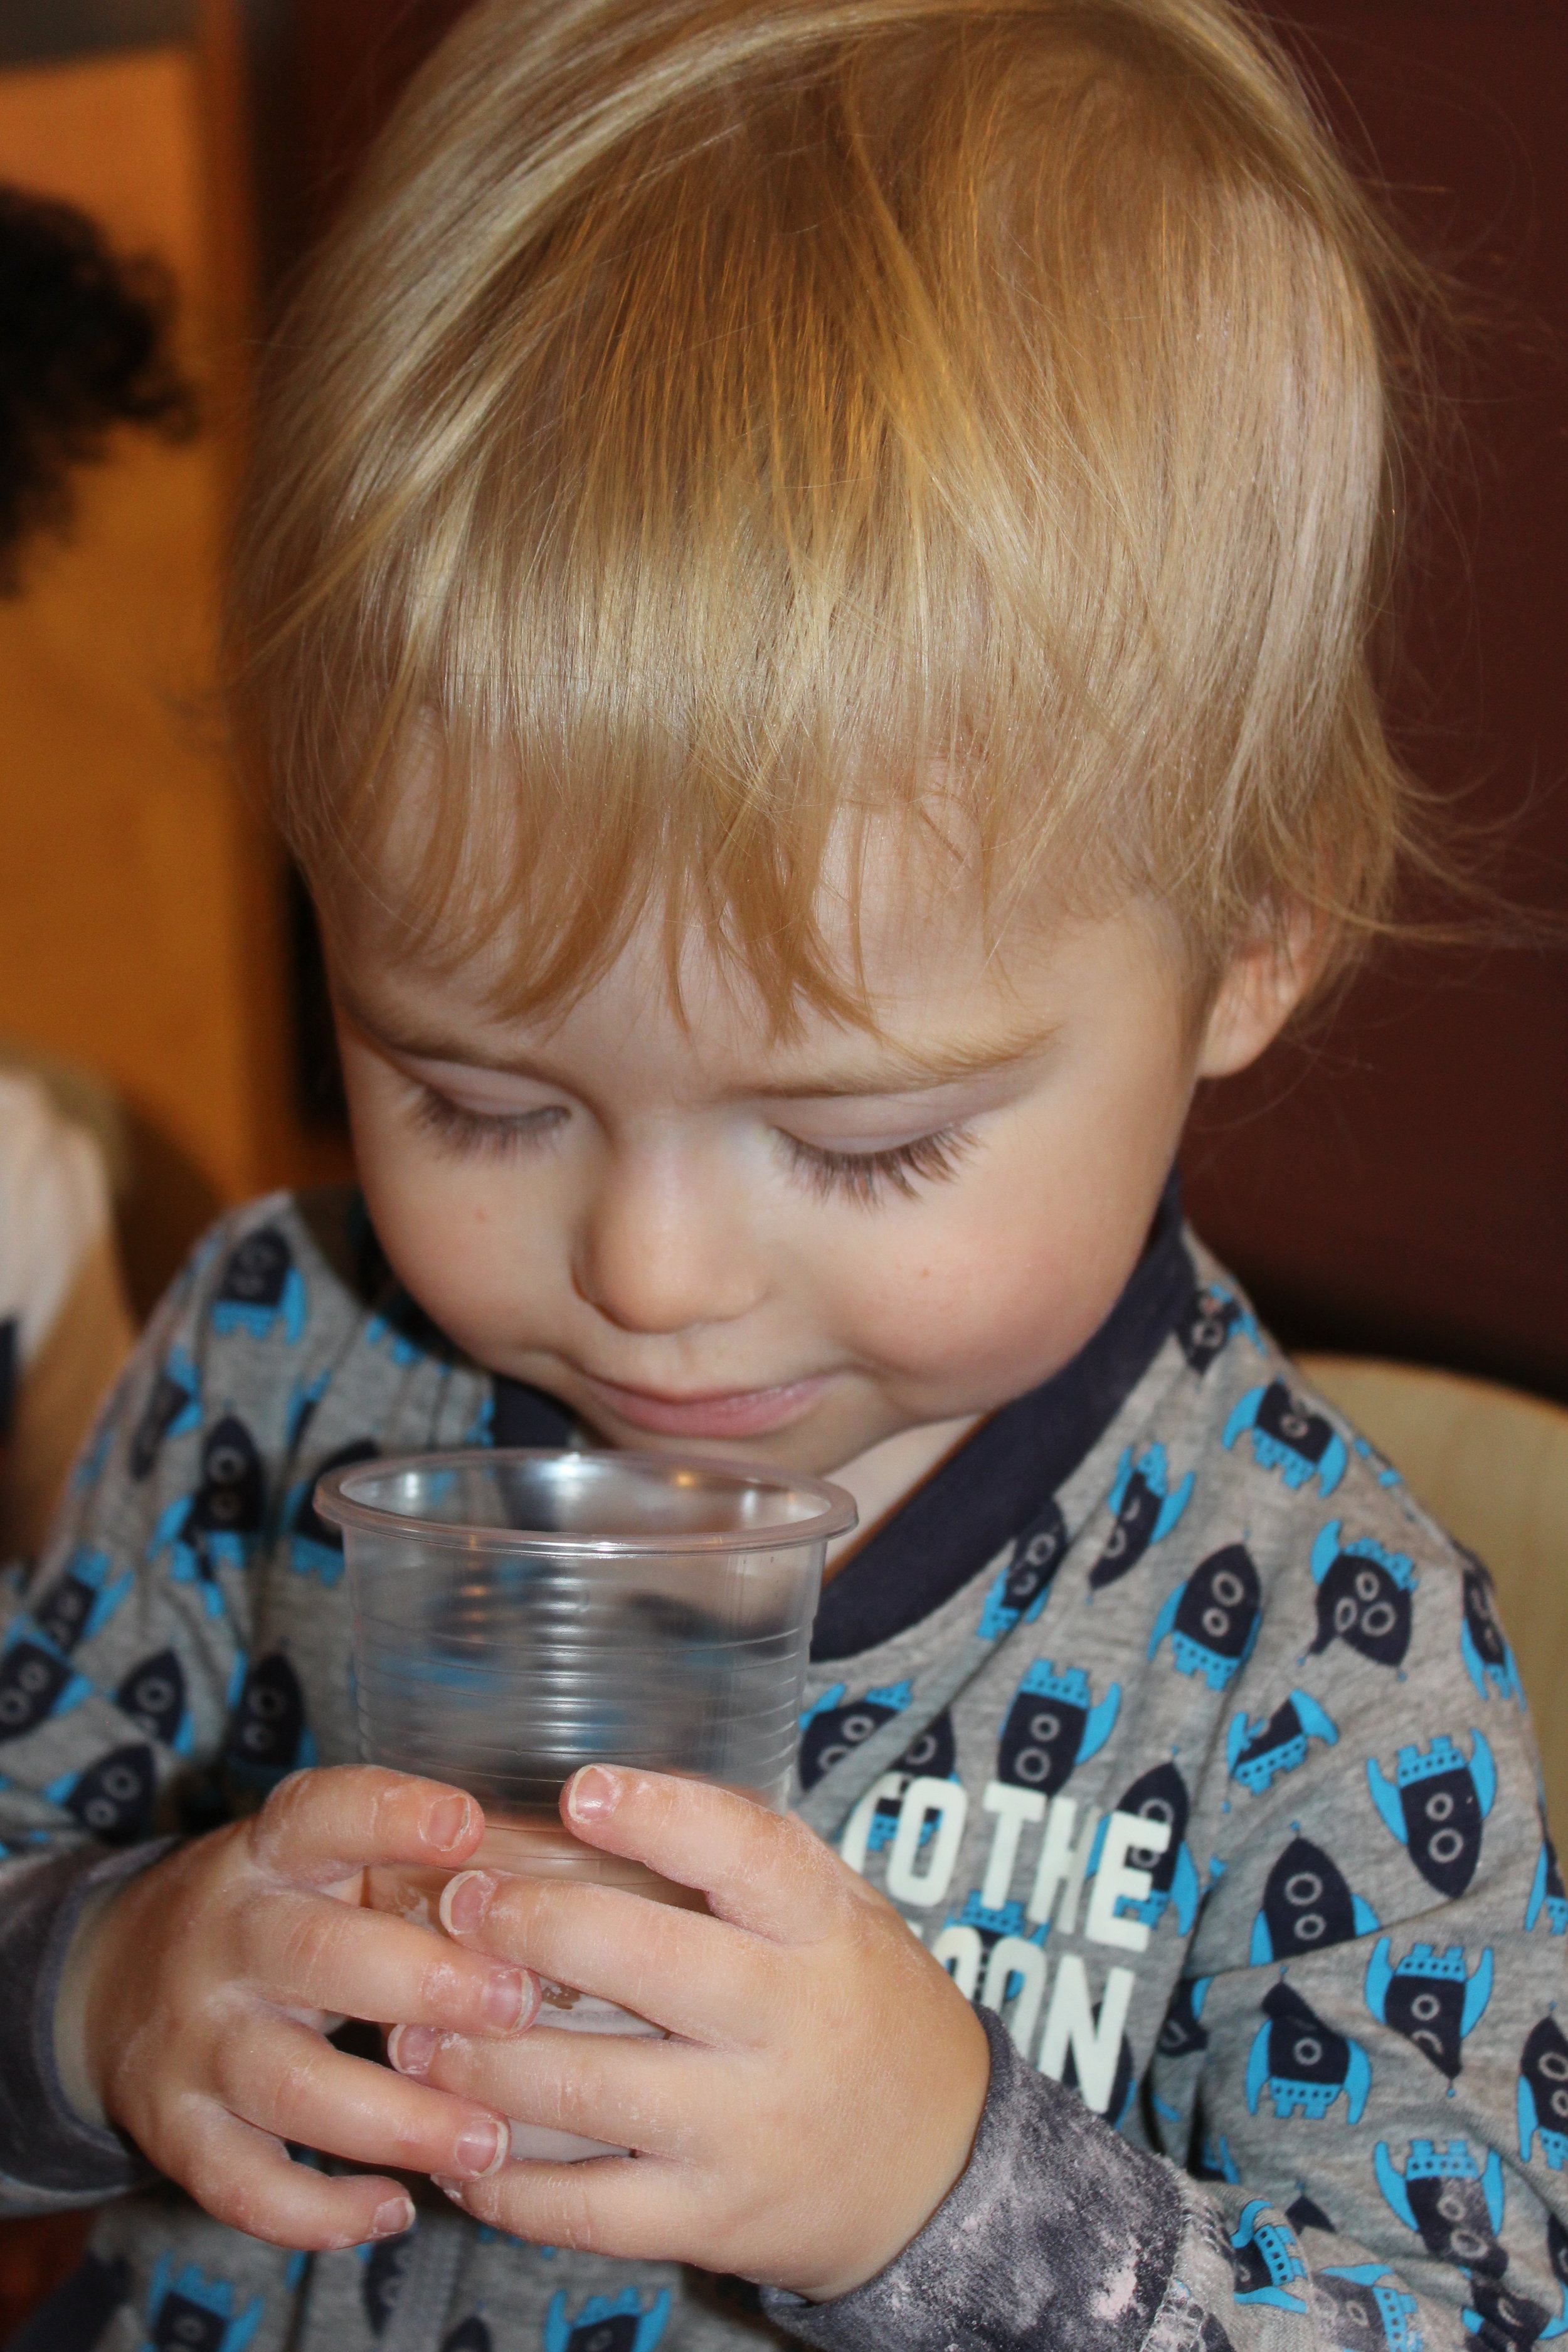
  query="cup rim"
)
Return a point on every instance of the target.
[{"x": 336, "y": 1502}]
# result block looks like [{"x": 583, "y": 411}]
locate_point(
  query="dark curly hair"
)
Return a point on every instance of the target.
[{"x": 84, "y": 341}]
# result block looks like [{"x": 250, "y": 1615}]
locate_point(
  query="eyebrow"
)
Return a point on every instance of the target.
[
  {"x": 904, "y": 1069},
  {"x": 915, "y": 1069}
]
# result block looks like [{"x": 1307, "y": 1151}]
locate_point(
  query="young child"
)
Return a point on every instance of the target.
[{"x": 806, "y": 610}]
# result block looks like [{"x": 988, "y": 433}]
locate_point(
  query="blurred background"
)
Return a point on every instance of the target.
[{"x": 1395, "y": 1186}]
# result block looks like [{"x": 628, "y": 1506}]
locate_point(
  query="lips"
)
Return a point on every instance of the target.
[{"x": 731, "y": 1412}]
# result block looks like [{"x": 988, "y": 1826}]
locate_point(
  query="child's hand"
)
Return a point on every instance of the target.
[
  {"x": 824, "y": 2086},
  {"x": 206, "y": 1981}
]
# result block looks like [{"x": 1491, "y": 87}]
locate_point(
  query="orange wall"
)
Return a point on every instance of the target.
[{"x": 140, "y": 931}]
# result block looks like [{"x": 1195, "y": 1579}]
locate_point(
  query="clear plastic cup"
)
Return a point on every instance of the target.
[{"x": 519, "y": 1614}]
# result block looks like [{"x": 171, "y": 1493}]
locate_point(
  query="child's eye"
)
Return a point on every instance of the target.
[
  {"x": 494, "y": 1134},
  {"x": 868, "y": 1177}
]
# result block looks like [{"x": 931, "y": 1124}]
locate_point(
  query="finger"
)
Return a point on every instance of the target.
[
  {"x": 323, "y": 1826},
  {"x": 639, "y": 2208},
  {"x": 656, "y": 2097},
  {"x": 759, "y": 1869},
  {"x": 290, "y": 2081},
  {"x": 694, "y": 1976},
  {"x": 305, "y": 1951},
  {"x": 247, "y": 2178}
]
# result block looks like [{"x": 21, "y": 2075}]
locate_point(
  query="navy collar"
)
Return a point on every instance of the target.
[{"x": 998, "y": 1480}]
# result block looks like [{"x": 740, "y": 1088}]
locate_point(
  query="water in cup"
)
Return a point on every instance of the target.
[{"x": 519, "y": 1614}]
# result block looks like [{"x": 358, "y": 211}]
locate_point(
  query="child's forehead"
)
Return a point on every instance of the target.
[{"x": 947, "y": 998}]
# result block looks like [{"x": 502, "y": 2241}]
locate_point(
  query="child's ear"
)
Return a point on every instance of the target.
[{"x": 1269, "y": 973}]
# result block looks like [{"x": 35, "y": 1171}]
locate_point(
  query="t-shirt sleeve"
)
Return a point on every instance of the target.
[{"x": 120, "y": 1658}]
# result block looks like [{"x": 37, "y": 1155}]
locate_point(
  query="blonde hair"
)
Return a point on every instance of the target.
[{"x": 715, "y": 418}]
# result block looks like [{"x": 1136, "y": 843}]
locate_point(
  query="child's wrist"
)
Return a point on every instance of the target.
[{"x": 75, "y": 2063}]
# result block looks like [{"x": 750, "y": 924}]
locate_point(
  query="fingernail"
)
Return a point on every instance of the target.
[
  {"x": 465, "y": 1901},
  {"x": 391, "y": 2220},
  {"x": 505, "y": 1999},
  {"x": 411, "y": 2048},
  {"x": 447, "y": 1820},
  {"x": 483, "y": 2147},
  {"x": 594, "y": 1794},
  {"x": 452, "y": 2188}
]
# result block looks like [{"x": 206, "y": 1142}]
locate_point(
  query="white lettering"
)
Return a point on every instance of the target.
[
  {"x": 1070, "y": 2024},
  {"x": 906, "y": 1883},
  {"x": 857, "y": 1828},
  {"x": 1062, "y": 1865},
  {"x": 1010, "y": 1957},
  {"x": 1012, "y": 1807},
  {"x": 1116, "y": 1880},
  {"x": 959, "y": 1950}
]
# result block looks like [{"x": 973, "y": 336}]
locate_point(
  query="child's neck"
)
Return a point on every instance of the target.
[{"x": 886, "y": 1475}]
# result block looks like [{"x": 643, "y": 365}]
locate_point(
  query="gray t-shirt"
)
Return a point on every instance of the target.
[{"x": 1163, "y": 1715}]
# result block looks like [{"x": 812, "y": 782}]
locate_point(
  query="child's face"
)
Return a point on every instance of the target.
[{"x": 691, "y": 1232}]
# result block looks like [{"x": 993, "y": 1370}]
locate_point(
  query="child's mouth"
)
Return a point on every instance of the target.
[{"x": 734, "y": 1412}]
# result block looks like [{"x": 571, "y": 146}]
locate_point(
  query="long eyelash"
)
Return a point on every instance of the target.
[
  {"x": 489, "y": 1134},
  {"x": 866, "y": 1176}
]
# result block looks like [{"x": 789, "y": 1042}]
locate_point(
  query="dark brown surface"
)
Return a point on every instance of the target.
[
  {"x": 35, "y": 2256},
  {"x": 1403, "y": 1186}
]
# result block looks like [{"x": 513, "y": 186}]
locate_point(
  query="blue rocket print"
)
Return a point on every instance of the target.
[
  {"x": 1489, "y": 1661},
  {"x": 1287, "y": 1436},
  {"x": 1454, "y": 2207},
  {"x": 1023, "y": 1588},
  {"x": 113, "y": 1797},
  {"x": 154, "y": 1695},
  {"x": 172, "y": 1409},
  {"x": 607, "y": 2323},
  {"x": 1053, "y": 1725},
  {"x": 1159, "y": 1795},
  {"x": 268, "y": 1734},
  {"x": 1370, "y": 2311},
  {"x": 1267, "y": 2261},
  {"x": 1304, "y": 2065},
  {"x": 991, "y": 1926},
  {"x": 1307, "y": 1907},
  {"x": 1543, "y": 2094},
  {"x": 1451, "y": 2203},
  {"x": 1183, "y": 2032},
  {"x": 35, "y": 1682},
  {"x": 1503, "y": 2318},
  {"x": 81, "y": 1599},
  {"x": 1213, "y": 1620},
  {"x": 316, "y": 1547},
  {"x": 1363, "y": 1596},
  {"x": 1436, "y": 1805},
  {"x": 834, "y": 1728},
  {"x": 262, "y": 1290},
  {"x": 219, "y": 1524},
  {"x": 1257, "y": 1752},
  {"x": 1429, "y": 1999},
  {"x": 1213, "y": 1317},
  {"x": 189, "y": 2312},
  {"x": 1146, "y": 1508},
  {"x": 932, "y": 1754}
]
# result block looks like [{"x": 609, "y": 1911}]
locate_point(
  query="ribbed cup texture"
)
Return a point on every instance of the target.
[{"x": 503, "y": 1670}]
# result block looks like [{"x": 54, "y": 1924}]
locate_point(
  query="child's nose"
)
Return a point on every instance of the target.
[{"x": 662, "y": 1248}]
